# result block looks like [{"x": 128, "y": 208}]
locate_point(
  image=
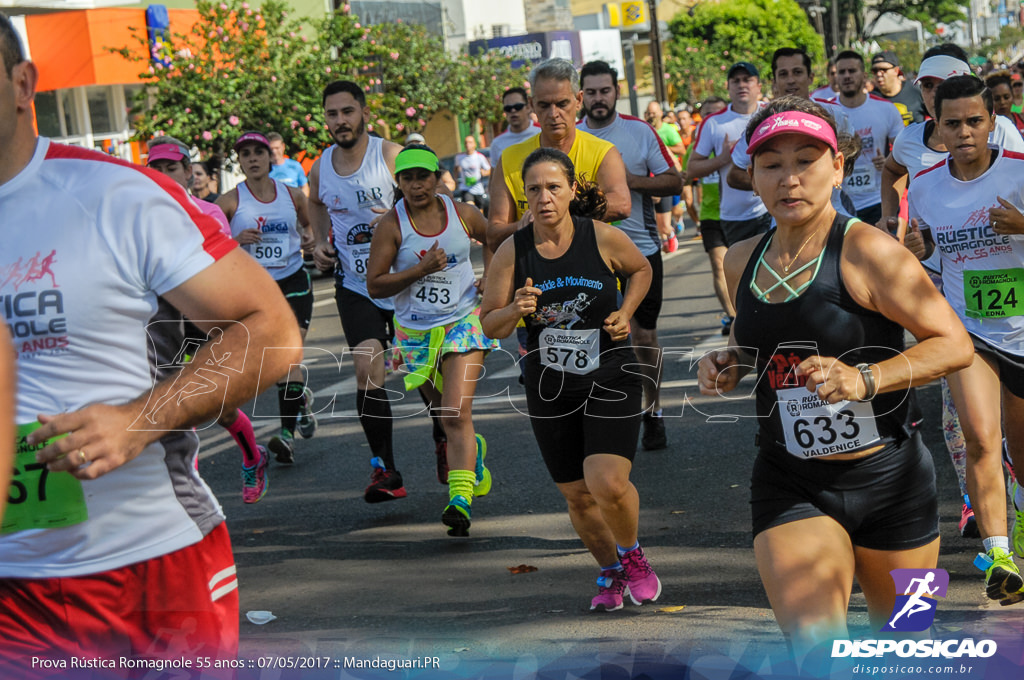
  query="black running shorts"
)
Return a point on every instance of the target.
[
  {"x": 1010, "y": 366},
  {"x": 886, "y": 501},
  {"x": 361, "y": 320},
  {"x": 571, "y": 427},
  {"x": 298, "y": 291}
]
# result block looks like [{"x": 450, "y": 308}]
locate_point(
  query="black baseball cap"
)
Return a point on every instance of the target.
[
  {"x": 743, "y": 66},
  {"x": 886, "y": 57}
]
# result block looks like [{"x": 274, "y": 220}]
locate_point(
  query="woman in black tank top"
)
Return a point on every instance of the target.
[
  {"x": 841, "y": 485},
  {"x": 559, "y": 275}
]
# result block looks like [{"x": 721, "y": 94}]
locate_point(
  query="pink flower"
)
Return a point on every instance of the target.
[
  {"x": 273, "y": 79},
  {"x": 309, "y": 116},
  {"x": 170, "y": 122},
  {"x": 248, "y": 12},
  {"x": 394, "y": 55},
  {"x": 233, "y": 120},
  {"x": 223, "y": 6},
  {"x": 245, "y": 5},
  {"x": 401, "y": 99},
  {"x": 421, "y": 106},
  {"x": 410, "y": 112},
  {"x": 222, "y": 102},
  {"x": 400, "y": 127},
  {"x": 725, "y": 53},
  {"x": 295, "y": 124},
  {"x": 328, "y": 69},
  {"x": 421, "y": 122},
  {"x": 494, "y": 77},
  {"x": 358, "y": 25},
  {"x": 259, "y": 17},
  {"x": 373, "y": 42},
  {"x": 346, "y": 8},
  {"x": 207, "y": 135},
  {"x": 187, "y": 110},
  {"x": 244, "y": 26}
]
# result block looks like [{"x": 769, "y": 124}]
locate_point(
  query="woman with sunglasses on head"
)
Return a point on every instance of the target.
[
  {"x": 560, "y": 276},
  {"x": 420, "y": 257},
  {"x": 842, "y": 486}
]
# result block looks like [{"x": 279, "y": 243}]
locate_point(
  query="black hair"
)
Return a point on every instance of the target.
[
  {"x": 598, "y": 68},
  {"x": 789, "y": 103},
  {"x": 962, "y": 87},
  {"x": 10, "y": 45},
  {"x": 994, "y": 81},
  {"x": 791, "y": 52},
  {"x": 946, "y": 49},
  {"x": 345, "y": 86},
  {"x": 850, "y": 145},
  {"x": 589, "y": 200},
  {"x": 850, "y": 54},
  {"x": 439, "y": 173},
  {"x": 516, "y": 90}
]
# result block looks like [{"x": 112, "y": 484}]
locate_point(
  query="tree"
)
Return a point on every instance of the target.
[
  {"x": 242, "y": 68},
  {"x": 705, "y": 41},
  {"x": 480, "y": 81}
]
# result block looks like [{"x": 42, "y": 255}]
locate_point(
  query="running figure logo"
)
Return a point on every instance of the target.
[{"x": 914, "y": 610}]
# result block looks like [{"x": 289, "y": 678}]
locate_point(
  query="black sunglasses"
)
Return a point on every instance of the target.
[{"x": 509, "y": 108}]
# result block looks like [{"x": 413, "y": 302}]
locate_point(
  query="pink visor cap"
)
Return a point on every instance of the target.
[
  {"x": 167, "y": 152},
  {"x": 792, "y": 122}
]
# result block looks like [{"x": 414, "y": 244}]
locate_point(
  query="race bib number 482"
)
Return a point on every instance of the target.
[{"x": 816, "y": 428}]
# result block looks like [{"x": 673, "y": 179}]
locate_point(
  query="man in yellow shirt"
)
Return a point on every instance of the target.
[{"x": 556, "y": 98}]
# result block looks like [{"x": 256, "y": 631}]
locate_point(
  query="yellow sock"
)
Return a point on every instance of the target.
[{"x": 460, "y": 483}]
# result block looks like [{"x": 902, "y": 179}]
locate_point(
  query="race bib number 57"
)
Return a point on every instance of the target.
[
  {"x": 38, "y": 498},
  {"x": 816, "y": 428}
]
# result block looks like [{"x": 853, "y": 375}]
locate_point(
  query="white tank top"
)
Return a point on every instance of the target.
[
  {"x": 443, "y": 297},
  {"x": 350, "y": 201},
  {"x": 280, "y": 251}
]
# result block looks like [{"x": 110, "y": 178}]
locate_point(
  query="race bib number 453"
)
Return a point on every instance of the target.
[
  {"x": 816, "y": 428},
  {"x": 38, "y": 498}
]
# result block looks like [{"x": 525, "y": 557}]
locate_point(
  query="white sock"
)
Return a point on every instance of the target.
[{"x": 996, "y": 542}]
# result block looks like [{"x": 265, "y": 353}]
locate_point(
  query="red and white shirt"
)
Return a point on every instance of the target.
[
  {"x": 644, "y": 154},
  {"x": 90, "y": 243},
  {"x": 982, "y": 271},
  {"x": 875, "y": 121}
]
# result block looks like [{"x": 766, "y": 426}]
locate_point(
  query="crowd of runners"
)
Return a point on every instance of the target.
[{"x": 835, "y": 224}]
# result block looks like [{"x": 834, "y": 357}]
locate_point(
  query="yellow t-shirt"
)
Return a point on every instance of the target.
[{"x": 586, "y": 154}]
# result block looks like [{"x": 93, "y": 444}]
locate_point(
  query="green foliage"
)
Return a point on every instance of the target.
[
  {"x": 907, "y": 51},
  {"x": 242, "y": 68},
  {"x": 703, "y": 46},
  {"x": 929, "y": 12}
]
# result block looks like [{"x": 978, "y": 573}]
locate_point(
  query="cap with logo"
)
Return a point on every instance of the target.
[
  {"x": 886, "y": 57},
  {"x": 255, "y": 137},
  {"x": 942, "y": 66},
  {"x": 167, "y": 151},
  {"x": 743, "y": 66}
]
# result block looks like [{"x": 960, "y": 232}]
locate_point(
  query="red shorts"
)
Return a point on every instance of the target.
[{"x": 184, "y": 604}]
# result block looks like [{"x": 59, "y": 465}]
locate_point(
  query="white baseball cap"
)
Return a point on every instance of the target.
[{"x": 942, "y": 66}]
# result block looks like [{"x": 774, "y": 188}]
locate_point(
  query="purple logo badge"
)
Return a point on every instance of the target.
[{"x": 916, "y": 590}]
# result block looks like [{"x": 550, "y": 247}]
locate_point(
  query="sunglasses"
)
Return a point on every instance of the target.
[
  {"x": 1017, "y": 86},
  {"x": 511, "y": 108},
  {"x": 881, "y": 69}
]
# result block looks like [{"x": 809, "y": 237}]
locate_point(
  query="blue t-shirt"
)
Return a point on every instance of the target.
[{"x": 290, "y": 172}]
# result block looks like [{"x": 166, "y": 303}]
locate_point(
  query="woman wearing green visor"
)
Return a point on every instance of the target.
[{"x": 420, "y": 257}]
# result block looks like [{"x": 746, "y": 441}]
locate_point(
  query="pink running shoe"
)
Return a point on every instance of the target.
[
  {"x": 254, "y": 479},
  {"x": 641, "y": 581},
  {"x": 612, "y": 586}
]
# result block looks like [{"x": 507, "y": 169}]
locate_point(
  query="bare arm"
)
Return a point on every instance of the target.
[
  {"x": 626, "y": 260},
  {"x": 324, "y": 254},
  {"x": 702, "y": 166},
  {"x": 667, "y": 183},
  {"x": 503, "y": 306},
  {"x": 611, "y": 177},
  {"x": 883, "y": 276},
  {"x": 501, "y": 216},
  {"x": 257, "y": 342},
  {"x": 738, "y": 178},
  {"x": 894, "y": 181},
  {"x": 228, "y": 202}
]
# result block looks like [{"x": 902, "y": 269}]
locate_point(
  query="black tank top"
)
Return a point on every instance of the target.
[
  {"x": 825, "y": 316},
  {"x": 579, "y": 291}
]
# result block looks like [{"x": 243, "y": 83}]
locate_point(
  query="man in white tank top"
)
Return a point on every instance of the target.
[{"x": 351, "y": 186}]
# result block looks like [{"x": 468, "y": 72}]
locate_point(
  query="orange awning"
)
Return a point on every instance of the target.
[{"x": 70, "y": 48}]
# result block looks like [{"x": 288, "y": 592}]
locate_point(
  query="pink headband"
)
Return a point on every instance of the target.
[{"x": 792, "y": 122}]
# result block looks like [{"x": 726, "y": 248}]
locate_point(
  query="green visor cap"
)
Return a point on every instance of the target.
[{"x": 415, "y": 158}]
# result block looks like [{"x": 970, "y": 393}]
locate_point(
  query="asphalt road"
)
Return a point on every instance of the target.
[{"x": 349, "y": 579}]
